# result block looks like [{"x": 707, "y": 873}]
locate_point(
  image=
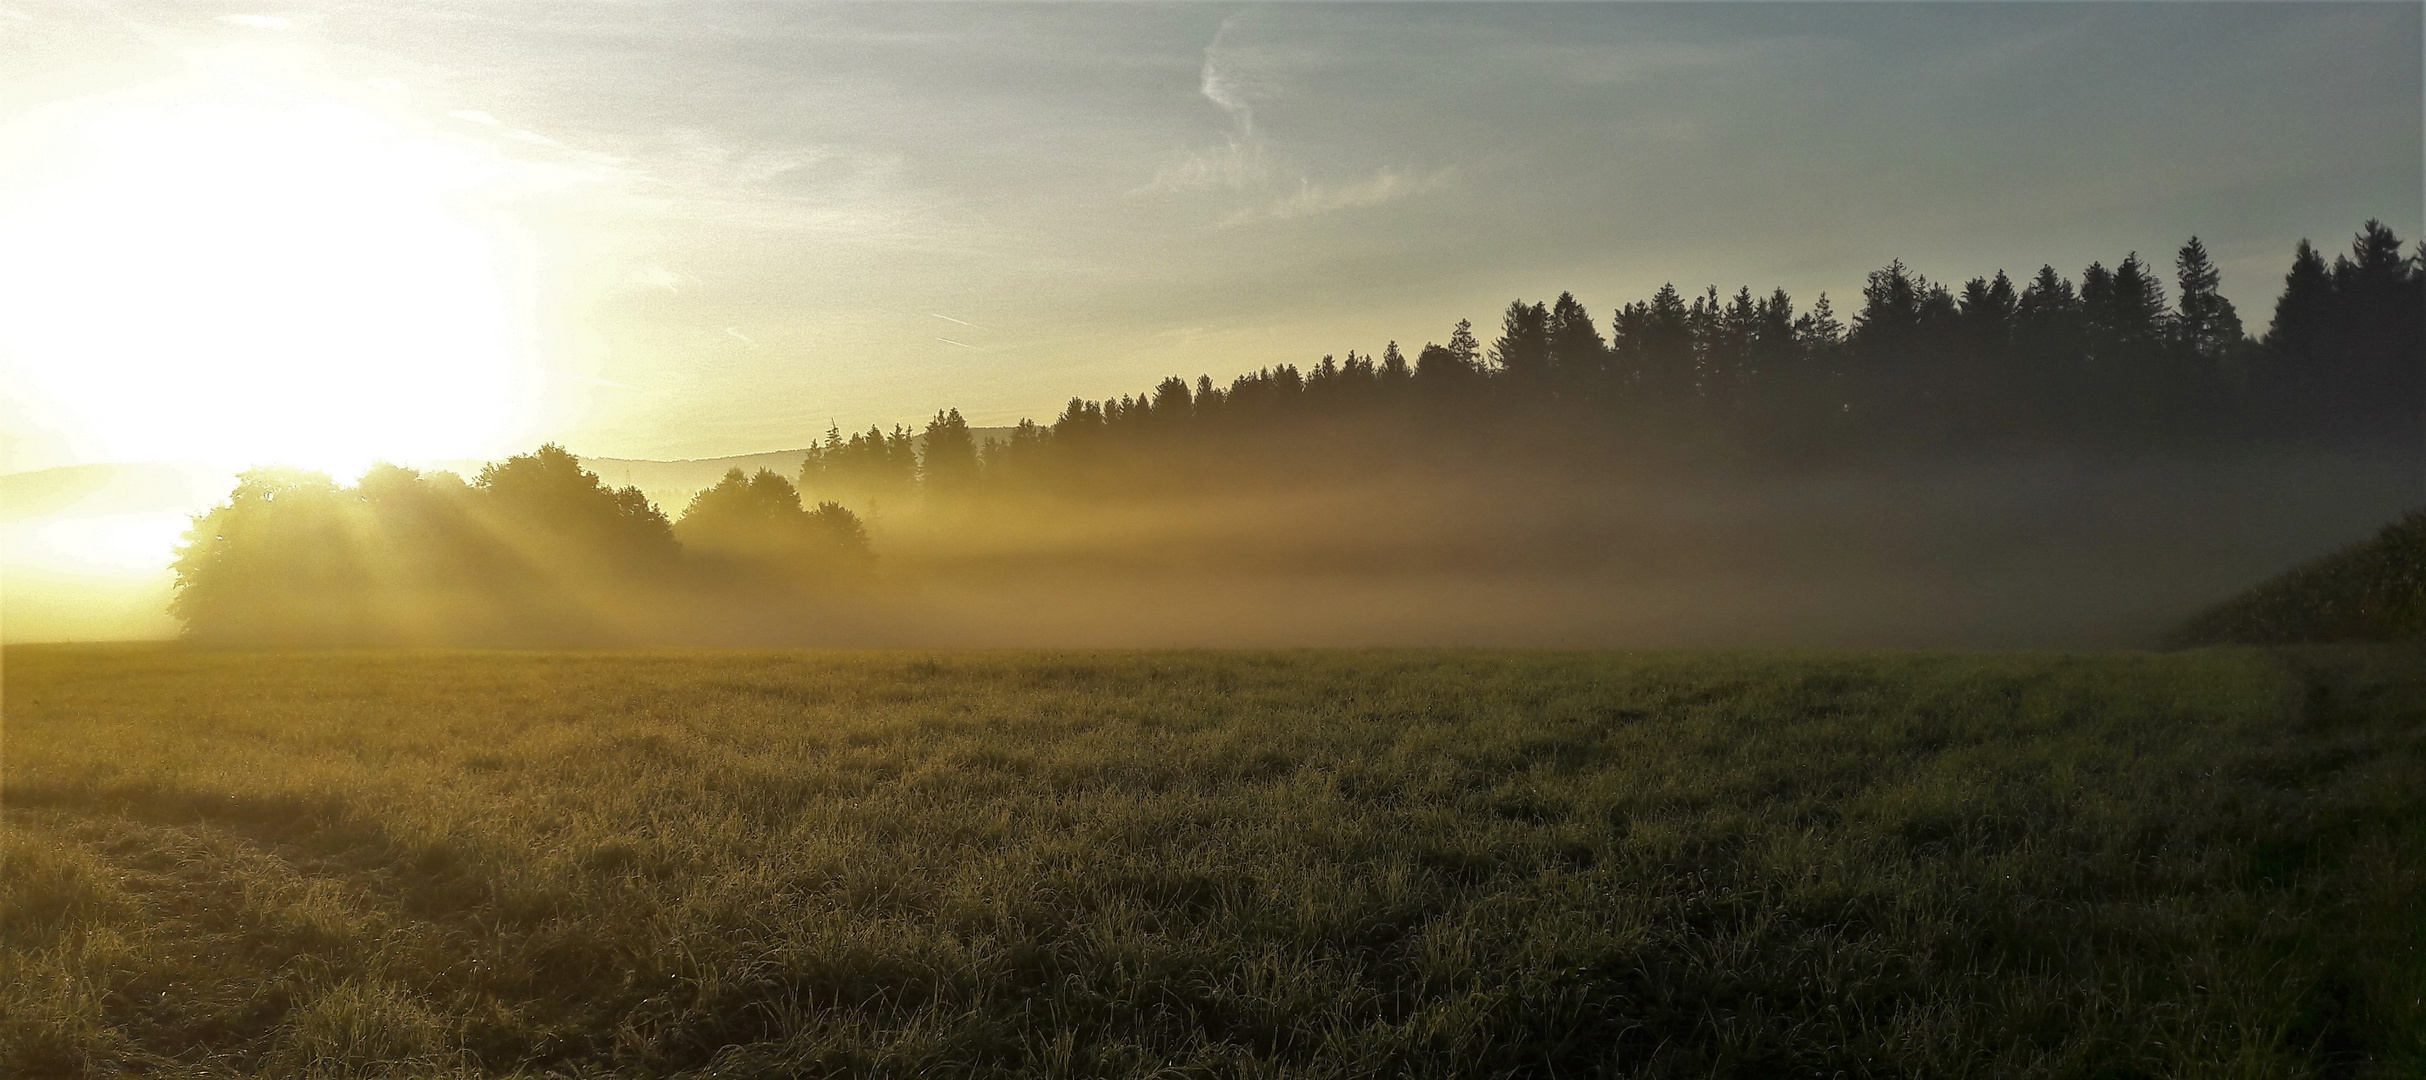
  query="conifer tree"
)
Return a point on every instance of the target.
[
  {"x": 2207, "y": 325},
  {"x": 2380, "y": 327},
  {"x": 1522, "y": 352},
  {"x": 1575, "y": 347},
  {"x": 1819, "y": 330},
  {"x": 1394, "y": 368},
  {"x": 1653, "y": 341},
  {"x": 2136, "y": 314},
  {"x": 950, "y": 463},
  {"x": 2304, "y": 313},
  {"x": 1890, "y": 319}
]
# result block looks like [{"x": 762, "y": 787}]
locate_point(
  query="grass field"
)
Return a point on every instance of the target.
[{"x": 1214, "y": 864}]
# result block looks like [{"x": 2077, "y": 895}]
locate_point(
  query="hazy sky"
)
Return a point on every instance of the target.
[{"x": 697, "y": 229}]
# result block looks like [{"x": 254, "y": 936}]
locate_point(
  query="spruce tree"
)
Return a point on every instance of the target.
[
  {"x": 1522, "y": 352},
  {"x": 950, "y": 463},
  {"x": 1394, "y": 368},
  {"x": 1819, "y": 330},
  {"x": 1575, "y": 346},
  {"x": 1463, "y": 347},
  {"x": 1890, "y": 319},
  {"x": 2303, "y": 315},
  {"x": 2207, "y": 325}
]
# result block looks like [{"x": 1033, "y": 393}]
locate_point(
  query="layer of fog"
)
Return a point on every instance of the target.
[
  {"x": 2047, "y": 551},
  {"x": 2038, "y": 552}
]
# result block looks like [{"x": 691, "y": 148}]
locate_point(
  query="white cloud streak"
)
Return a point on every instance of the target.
[
  {"x": 1384, "y": 186},
  {"x": 1244, "y": 163},
  {"x": 1218, "y": 88},
  {"x": 1240, "y": 163}
]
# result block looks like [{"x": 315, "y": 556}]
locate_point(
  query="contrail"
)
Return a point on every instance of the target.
[
  {"x": 963, "y": 322},
  {"x": 744, "y": 338},
  {"x": 949, "y": 341}
]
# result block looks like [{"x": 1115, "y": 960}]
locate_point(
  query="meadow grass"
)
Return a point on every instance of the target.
[{"x": 1213, "y": 864}]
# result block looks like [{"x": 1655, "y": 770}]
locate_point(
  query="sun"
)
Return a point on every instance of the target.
[{"x": 255, "y": 264}]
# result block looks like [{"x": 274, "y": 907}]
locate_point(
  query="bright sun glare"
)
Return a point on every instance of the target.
[{"x": 254, "y": 263}]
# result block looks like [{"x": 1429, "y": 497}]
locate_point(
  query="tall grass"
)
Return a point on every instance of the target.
[{"x": 1207, "y": 864}]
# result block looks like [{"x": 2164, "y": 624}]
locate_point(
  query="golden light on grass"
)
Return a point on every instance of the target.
[{"x": 256, "y": 262}]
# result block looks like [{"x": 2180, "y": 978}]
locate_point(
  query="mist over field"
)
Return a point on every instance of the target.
[
  {"x": 2027, "y": 551},
  {"x": 2045, "y": 552}
]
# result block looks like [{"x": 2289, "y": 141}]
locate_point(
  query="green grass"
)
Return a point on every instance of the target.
[{"x": 1214, "y": 864}]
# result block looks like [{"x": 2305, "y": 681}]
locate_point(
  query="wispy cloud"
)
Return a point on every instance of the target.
[
  {"x": 1218, "y": 87},
  {"x": 1237, "y": 165},
  {"x": 1245, "y": 164},
  {"x": 1385, "y": 185},
  {"x": 1240, "y": 163}
]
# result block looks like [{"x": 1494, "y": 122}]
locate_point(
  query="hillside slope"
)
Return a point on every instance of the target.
[{"x": 2372, "y": 590}]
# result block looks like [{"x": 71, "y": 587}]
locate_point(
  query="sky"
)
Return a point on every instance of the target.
[{"x": 335, "y": 232}]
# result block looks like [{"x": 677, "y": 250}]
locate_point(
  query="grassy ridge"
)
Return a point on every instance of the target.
[
  {"x": 1304, "y": 864},
  {"x": 2374, "y": 590}
]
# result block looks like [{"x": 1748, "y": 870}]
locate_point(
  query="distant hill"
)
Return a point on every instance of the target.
[
  {"x": 2372, "y": 590},
  {"x": 87, "y": 490},
  {"x": 670, "y": 484}
]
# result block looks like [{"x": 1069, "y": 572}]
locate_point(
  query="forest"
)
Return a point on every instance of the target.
[{"x": 1711, "y": 388}]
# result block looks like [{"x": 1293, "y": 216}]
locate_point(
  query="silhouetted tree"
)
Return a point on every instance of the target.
[
  {"x": 1463, "y": 346},
  {"x": 1890, "y": 320},
  {"x": 1522, "y": 353},
  {"x": 1447, "y": 368},
  {"x": 758, "y": 520},
  {"x": 1653, "y": 350},
  {"x": 278, "y": 561},
  {"x": 1394, "y": 369},
  {"x": 872, "y": 467},
  {"x": 2207, "y": 325},
  {"x": 950, "y": 464},
  {"x": 833, "y": 528},
  {"x": 2379, "y": 305},
  {"x": 548, "y": 494},
  {"x": 2135, "y": 314},
  {"x": 1574, "y": 346}
]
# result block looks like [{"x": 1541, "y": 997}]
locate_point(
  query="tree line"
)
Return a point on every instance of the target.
[
  {"x": 2113, "y": 360},
  {"x": 533, "y": 546}
]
